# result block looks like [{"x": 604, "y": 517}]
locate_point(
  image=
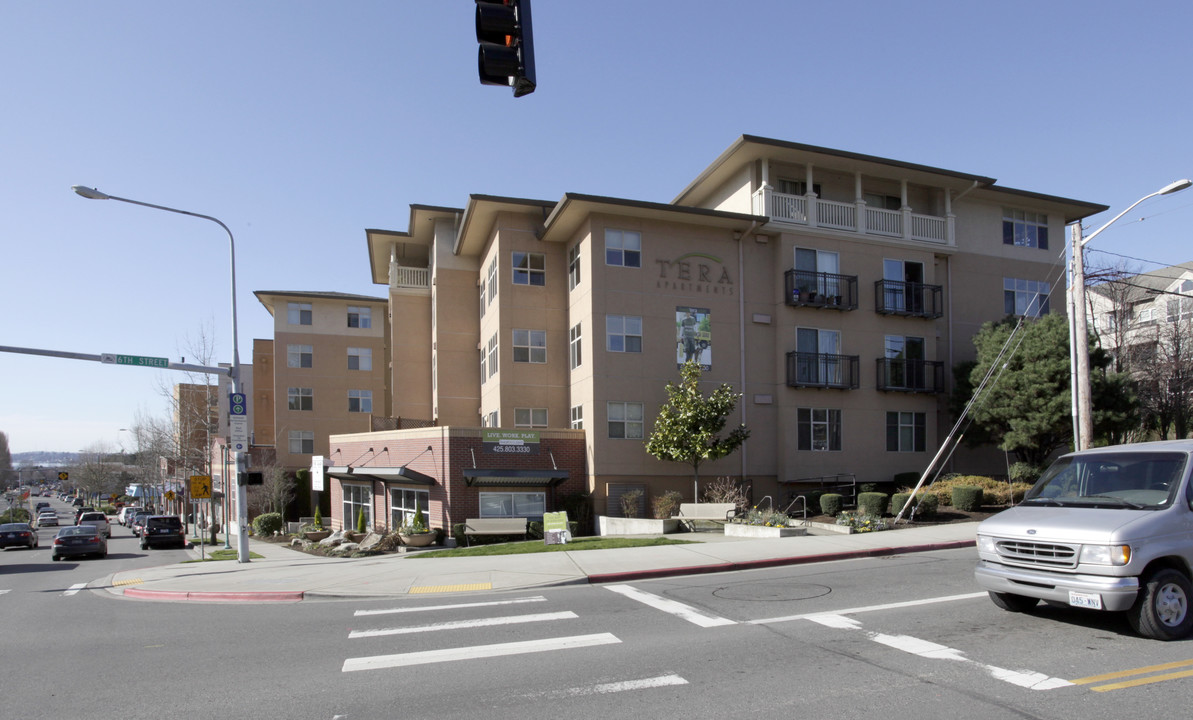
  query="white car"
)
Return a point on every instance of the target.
[
  {"x": 127, "y": 513},
  {"x": 47, "y": 518},
  {"x": 97, "y": 519}
]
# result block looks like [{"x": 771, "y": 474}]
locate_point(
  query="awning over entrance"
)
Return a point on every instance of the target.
[
  {"x": 400, "y": 474},
  {"x": 520, "y": 478}
]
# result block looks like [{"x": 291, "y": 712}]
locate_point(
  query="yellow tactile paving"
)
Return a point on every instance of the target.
[{"x": 450, "y": 588}]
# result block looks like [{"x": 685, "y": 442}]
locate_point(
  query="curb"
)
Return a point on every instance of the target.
[{"x": 176, "y": 595}]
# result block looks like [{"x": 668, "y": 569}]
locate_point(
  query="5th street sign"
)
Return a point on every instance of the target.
[{"x": 138, "y": 360}]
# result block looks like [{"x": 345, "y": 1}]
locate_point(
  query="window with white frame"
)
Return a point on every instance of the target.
[
  {"x": 574, "y": 266},
  {"x": 1179, "y": 309},
  {"x": 359, "y": 317},
  {"x": 484, "y": 304},
  {"x": 905, "y": 431},
  {"x": 577, "y": 417},
  {"x": 492, "y": 280},
  {"x": 623, "y": 248},
  {"x": 483, "y": 353},
  {"x": 794, "y": 187},
  {"x": 623, "y": 333},
  {"x": 404, "y": 504},
  {"x": 360, "y": 401},
  {"x": 491, "y": 419},
  {"x": 493, "y": 355},
  {"x": 513, "y": 504},
  {"x": 302, "y": 442},
  {"x": 529, "y": 268},
  {"x": 300, "y": 398},
  {"x": 530, "y": 346},
  {"x": 530, "y": 417},
  {"x": 625, "y": 420},
  {"x": 298, "y": 313},
  {"x": 299, "y": 356},
  {"x": 1147, "y": 315},
  {"x": 356, "y": 499},
  {"x": 360, "y": 358},
  {"x": 1024, "y": 297},
  {"x": 1024, "y": 229},
  {"x": 575, "y": 349},
  {"x": 818, "y": 429}
]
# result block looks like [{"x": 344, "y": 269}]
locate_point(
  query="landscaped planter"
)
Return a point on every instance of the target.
[
  {"x": 635, "y": 526},
  {"x": 417, "y": 539},
  {"x": 762, "y": 531},
  {"x": 316, "y": 535}
]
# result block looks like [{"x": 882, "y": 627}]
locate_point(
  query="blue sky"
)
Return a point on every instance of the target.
[{"x": 300, "y": 124}]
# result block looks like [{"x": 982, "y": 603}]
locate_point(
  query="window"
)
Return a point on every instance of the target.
[
  {"x": 301, "y": 398},
  {"x": 1024, "y": 229},
  {"x": 492, "y": 280},
  {"x": 1179, "y": 309},
  {"x": 299, "y": 356},
  {"x": 302, "y": 442},
  {"x": 356, "y": 499},
  {"x": 483, "y": 303},
  {"x": 574, "y": 267},
  {"x": 360, "y": 401},
  {"x": 905, "y": 431},
  {"x": 578, "y": 417},
  {"x": 795, "y": 187},
  {"x": 513, "y": 504},
  {"x": 530, "y": 417},
  {"x": 298, "y": 313},
  {"x": 904, "y": 364},
  {"x": 623, "y": 247},
  {"x": 575, "y": 349},
  {"x": 493, "y": 356},
  {"x": 1147, "y": 315},
  {"x": 818, "y": 429},
  {"x": 1024, "y": 297},
  {"x": 530, "y": 346},
  {"x": 816, "y": 272},
  {"x": 404, "y": 504},
  {"x": 360, "y": 358},
  {"x": 490, "y": 420},
  {"x": 623, "y": 333},
  {"x": 625, "y": 420},
  {"x": 530, "y": 268},
  {"x": 483, "y": 354},
  {"x": 818, "y": 362},
  {"x": 359, "y": 317},
  {"x": 882, "y": 202}
]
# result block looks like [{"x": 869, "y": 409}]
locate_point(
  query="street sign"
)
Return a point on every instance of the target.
[
  {"x": 238, "y": 430},
  {"x": 63, "y": 476},
  {"x": 237, "y": 404},
  {"x": 200, "y": 487},
  {"x": 138, "y": 360}
]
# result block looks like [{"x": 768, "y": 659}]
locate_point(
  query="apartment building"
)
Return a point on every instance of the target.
[{"x": 835, "y": 291}]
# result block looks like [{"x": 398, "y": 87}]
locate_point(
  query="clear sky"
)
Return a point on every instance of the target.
[{"x": 300, "y": 124}]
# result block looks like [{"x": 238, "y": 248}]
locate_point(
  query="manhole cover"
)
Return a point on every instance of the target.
[{"x": 772, "y": 591}]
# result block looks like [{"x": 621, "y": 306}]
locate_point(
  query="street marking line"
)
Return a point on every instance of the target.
[
  {"x": 449, "y": 588},
  {"x": 455, "y": 606},
  {"x": 465, "y": 624},
  {"x": 1143, "y": 681},
  {"x": 871, "y": 608},
  {"x": 379, "y": 662},
  {"x": 686, "y": 612},
  {"x": 3, "y": 592},
  {"x": 1128, "y": 673},
  {"x": 74, "y": 589},
  {"x": 615, "y": 687}
]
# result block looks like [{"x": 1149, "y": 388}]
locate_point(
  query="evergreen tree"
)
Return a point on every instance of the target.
[{"x": 6, "y": 471}]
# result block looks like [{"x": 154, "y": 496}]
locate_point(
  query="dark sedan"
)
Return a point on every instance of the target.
[
  {"x": 17, "y": 535},
  {"x": 163, "y": 530},
  {"x": 79, "y": 540}
]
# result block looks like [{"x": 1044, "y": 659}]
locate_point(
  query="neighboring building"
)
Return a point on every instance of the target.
[
  {"x": 836, "y": 291},
  {"x": 196, "y": 422}
]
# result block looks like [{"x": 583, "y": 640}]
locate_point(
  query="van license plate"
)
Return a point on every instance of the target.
[{"x": 1085, "y": 600}]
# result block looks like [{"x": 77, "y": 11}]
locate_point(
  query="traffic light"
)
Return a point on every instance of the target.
[
  {"x": 506, "y": 54},
  {"x": 252, "y": 478}
]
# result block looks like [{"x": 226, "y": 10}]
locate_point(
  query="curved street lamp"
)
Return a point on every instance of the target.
[{"x": 242, "y": 544}]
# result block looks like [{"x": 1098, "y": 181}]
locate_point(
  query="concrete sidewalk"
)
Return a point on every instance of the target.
[{"x": 286, "y": 575}]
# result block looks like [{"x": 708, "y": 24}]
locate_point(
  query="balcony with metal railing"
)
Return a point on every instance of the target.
[
  {"x": 805, "y": 288},
  {"x": 895, "y": 297},
  {"x": 822, "y": 370},
  {"x": 854, "y": 217},
  {"x": 913, "y": 376}
]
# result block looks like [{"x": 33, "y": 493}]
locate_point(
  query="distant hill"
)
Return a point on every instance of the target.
[{"x": 45, "y": 459}]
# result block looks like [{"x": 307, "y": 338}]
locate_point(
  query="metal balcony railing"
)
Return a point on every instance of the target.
[
  {"x": 805, "y": 288},
  {"x": 821, "y": 370},
  {"x": 915, "y": 376},
  {"x": 894, "y": 297}
]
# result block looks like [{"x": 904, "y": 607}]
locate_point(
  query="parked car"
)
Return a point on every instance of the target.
[
  {"x": 77, "y": 502},
  {"x": 40, "y": 505},
  {"x": 138, "y": 523},
  {"x": 79, "y": 512},
  {"x": 17, "y": 535},
  {"x": 1106, "y": 529},
  {"x": 163, "y": 530},
  {"x": 79, "y": 540},
  {"x": 125, "y": 516},
  {"x": 48, "y": 518},
  {"x": 97, "y": 519}
]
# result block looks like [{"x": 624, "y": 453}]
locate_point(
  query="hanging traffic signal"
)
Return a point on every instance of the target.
[{"x": 506, "y": 54}]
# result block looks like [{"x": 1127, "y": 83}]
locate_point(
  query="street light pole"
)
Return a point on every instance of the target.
[
  {"x": 242, "y": 544},
  {"x": 1083, "y": 422}
]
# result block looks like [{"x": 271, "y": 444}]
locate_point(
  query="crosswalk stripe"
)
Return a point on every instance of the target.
[
  {"x": 464, "y": 624},
  {"x": 687, "y": 612},
  {"x": 5, "y": 591},
  {"x": 456, "y": 606},
  {"x": 379, "y": 662}
]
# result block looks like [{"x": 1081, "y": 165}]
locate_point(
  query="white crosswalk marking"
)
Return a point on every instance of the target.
[
  {"x": 74, "y": 589},
  {"x": 426, "y": 608},
  {"x": 5, "y": 591},
  {"x": 687, "y": 612},
  {"x": 379, "y": 662},
  {"x": 464, "y": 624}
]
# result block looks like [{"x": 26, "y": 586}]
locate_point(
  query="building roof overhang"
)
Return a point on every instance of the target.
[
  {"x": 413, "y": 247},
  {"x": 401, "y": 474},
  {"x": 574, "y": 209},
  {"x": 474, "y": 477}
]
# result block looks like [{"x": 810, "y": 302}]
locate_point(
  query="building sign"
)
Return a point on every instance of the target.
[
  {"x": 695, "y": 273},
  {"x": 318, "y": 462},
  {"x": 510, "y": 442},
  {"x": 693, "y": 336}
]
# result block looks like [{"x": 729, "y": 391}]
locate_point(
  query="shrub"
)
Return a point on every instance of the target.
[
  {"x": 831, "y": 504},
  {"x": 873, "y": 503},
  {"x": 318, "y": 520},
  {"x": 812, "y": 498},
  {"x": 967, "y": 498},
  {"x": 725, "y": 490},
  {"x": 995, "y": 492},
  {"x": 629, "y": 503},
  {"x": 267, "y": 524},
  {"x": 361, "y": 525},
  {"x": 665, "y": 505},
  {"x": 1022, "y": 472},
  {"x": 579, "y": 505},
  {"x": 861, "y": 522}
]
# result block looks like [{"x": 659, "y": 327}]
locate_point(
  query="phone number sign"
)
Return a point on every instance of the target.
[{"x": 510, "y": 442}]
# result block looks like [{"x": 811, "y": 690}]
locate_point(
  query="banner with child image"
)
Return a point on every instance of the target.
[{"x": 693, "y": 336}]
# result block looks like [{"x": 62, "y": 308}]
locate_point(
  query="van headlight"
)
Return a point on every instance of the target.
[
  {"x": 1105, "y": 554},
  {"x": 986, "y": 544}
]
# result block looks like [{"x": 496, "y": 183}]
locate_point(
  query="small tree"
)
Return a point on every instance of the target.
[
  {"x": 361, "y": 525},
  {"x": 688, "y": 426}
]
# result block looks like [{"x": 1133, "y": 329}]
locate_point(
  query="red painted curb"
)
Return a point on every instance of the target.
[{"x": 175, "y": 595}]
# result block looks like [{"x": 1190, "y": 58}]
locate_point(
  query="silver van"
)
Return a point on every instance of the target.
[{"x": 1105, "y": 529}]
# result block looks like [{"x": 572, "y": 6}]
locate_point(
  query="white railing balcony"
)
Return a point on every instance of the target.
[
  {"x": 849, "y": 217},
  {"x": 401, "y": 276}
]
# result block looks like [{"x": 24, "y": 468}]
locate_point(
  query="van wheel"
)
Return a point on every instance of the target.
[
  {"x": 1013, "y": 603},
  {"x": 1162, "y": 610}
]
